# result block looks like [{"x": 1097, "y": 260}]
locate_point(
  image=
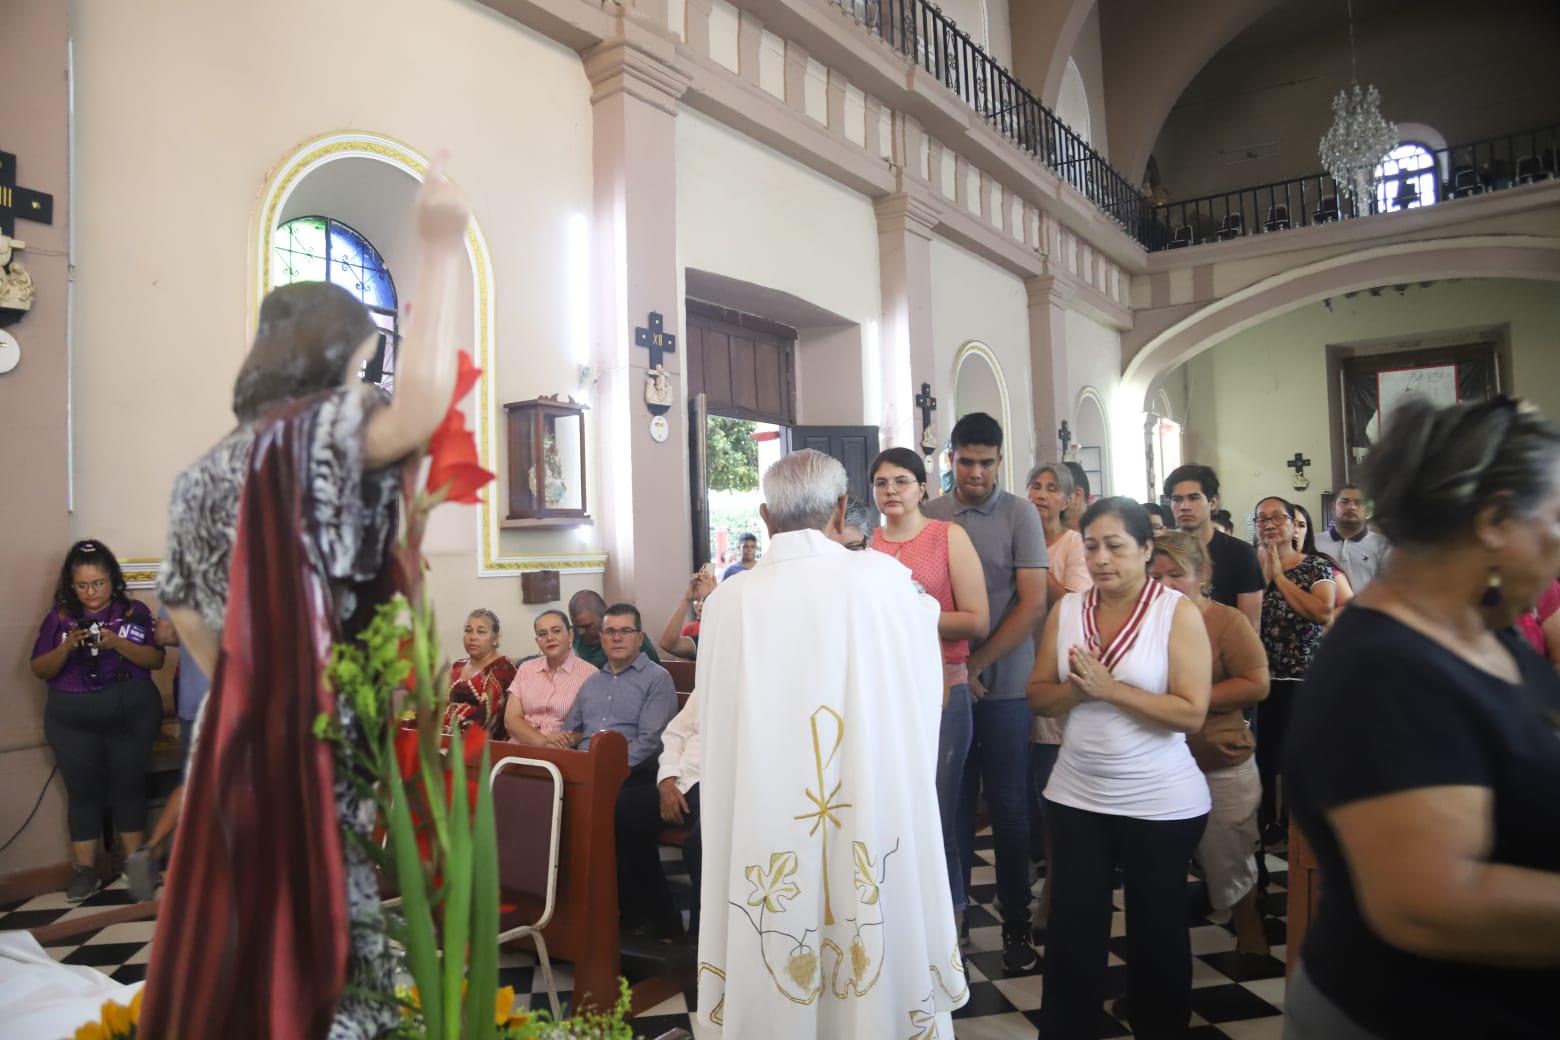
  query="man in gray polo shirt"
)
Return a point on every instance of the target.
[
  {"x": 1358, "y": 550},
  {"x": 1010, "y": 542}
]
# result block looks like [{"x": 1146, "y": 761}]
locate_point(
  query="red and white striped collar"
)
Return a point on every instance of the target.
[{"x": 1125, "y": 639}]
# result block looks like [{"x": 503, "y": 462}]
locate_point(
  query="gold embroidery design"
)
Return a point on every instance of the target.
[
  {"x": 826, "y": 805},
  {"x": 717, "y": 1013}
]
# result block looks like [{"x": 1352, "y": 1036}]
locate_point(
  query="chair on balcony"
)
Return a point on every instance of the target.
[
  {"x": 1328, "y": 211},
  {"x": 1530, "y": 172},
  {"x": 1183, "y": 237},
  {"x": 1232, "y": 226},
  {"x": 1465, "y": 182},
  {"x": 1277, "y": 218}
]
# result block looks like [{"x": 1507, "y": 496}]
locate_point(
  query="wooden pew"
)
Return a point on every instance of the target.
[
  {"x": 584, "y": 926},
  {"x": 1305, "y": 894}
]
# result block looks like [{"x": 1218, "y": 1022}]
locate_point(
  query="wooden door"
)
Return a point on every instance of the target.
[
  {"x": 699, "y": 476},
  {"x": 745, "y": 366},
  {"x": 855, "y": 446}
]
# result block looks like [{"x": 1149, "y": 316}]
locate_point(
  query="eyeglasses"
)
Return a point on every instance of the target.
[
  {"x": 1265, "y": 519},
  {"x": 898, "y": 483},
  {"x": 856, "y": 546},
  {"x": 91, "y": 586},
  {"x": 618, "y": 633}
]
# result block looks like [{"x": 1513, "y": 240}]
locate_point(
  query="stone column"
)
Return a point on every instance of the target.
[
  {"x": 642, "y": 503},
  {"x": 1050, "y": 381},
  {"x": 905, "y": 221}
]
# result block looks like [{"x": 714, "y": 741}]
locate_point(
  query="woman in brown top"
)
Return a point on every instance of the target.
[{"x": 1224, "y": 746}]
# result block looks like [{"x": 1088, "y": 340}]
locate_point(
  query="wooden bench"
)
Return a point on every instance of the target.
[
  {"x": 584, "y": 926},
  {"x": 1305, "y": 893}
]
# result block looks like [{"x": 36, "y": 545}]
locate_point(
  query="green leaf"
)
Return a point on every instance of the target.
[
  {"x": 483, "y": 992},
  {"x": 422, "y": 946},
  {"x": 457, "y": 892}
]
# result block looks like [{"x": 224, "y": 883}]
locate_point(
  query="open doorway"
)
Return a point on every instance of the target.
[{"x": 738, "y": 451}]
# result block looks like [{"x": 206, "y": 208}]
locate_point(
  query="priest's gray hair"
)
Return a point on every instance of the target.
[{"x": 802, "y": 490}]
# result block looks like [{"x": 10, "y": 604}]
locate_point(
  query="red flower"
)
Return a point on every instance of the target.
[{"x": 452, "y": 451}]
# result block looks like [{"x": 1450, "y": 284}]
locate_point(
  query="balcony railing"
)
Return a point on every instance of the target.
[
  {"x": 1460, "y": 171},
  {"x": 923, "y": 34}
]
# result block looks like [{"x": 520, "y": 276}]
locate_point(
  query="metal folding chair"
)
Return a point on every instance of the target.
[{"x": 526, "y": 804}]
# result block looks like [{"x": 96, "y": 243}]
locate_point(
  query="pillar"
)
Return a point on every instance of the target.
[
  {"x": 905, "y": 221},
  {"x": 1050, "y": 381}
]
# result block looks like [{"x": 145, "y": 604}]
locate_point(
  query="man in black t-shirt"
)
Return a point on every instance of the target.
[{"x": 1193, "y": 491}]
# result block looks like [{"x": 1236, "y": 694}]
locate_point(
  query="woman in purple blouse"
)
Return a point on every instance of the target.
[{"x": 97, "y": 649}]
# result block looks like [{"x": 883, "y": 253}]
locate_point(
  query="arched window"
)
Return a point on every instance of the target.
[
  {"x": 319, "y": 249},
  {"x": 1407, "y": 178}
]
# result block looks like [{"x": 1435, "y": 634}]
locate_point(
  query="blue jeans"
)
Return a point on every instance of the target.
[
  {"x": 953, "y": 748},
  {"x": 1042, "y": 759},
  {"x": 999, "y": 765}
]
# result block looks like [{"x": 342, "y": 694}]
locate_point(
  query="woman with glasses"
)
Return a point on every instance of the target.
[
  {"x": 1297, "y": 607},
  {"x": 97, "y": 649},
  {"x": 1128, "y": 663},
  {"x": 942, "y": 560},
  {"x": 1305, "y": 541}
]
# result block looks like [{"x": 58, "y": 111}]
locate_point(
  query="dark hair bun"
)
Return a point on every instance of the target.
[{"x": 1434, "y": 468}]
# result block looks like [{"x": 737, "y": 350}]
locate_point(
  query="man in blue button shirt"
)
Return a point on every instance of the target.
[{"x": 633, "y": 696}]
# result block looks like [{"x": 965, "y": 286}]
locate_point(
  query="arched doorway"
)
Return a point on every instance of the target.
[
  {"x": 1093, "y": 441},
  {"x": 978, "y": 386}
]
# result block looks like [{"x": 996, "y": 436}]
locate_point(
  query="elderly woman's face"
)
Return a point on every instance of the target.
[
  {"x": 479, "y": 638},
  {"x": 1045, "y": 494},
  {"x": 1274, "y": 525},
  {"x": 1169, "y": 574},
  {"x": 1529, "y": 556}
]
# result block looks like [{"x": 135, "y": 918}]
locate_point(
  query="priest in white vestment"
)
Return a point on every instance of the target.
[{"x": 825, "y": 905}]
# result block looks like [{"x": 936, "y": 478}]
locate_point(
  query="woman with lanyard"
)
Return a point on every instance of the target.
[
  {"x": 1297, "y": 607},
  {"x": 1425, "y": 753},
  {"x": 479, "y": 682},
  {"x": 1050, "y": 489},
  {"x": 942, "y": 560},
  {"x": 544, "y": 687},
  {"x": 1128, "y": 663},
  {"x": 1223, "y": 747},
  {"x": 97, "y": 650}
]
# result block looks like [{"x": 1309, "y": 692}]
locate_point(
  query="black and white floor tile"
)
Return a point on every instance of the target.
[{"x": 1234, "y": 997}]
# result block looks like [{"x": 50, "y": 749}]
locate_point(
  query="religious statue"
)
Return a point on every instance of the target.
[
  {"x": 658, "y": 388},
  {"x": 16, "y": 284},
  {"x": 282, "y": 542}
]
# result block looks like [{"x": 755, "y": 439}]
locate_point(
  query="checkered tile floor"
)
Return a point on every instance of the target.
[{"x": 1234, "y": 997}]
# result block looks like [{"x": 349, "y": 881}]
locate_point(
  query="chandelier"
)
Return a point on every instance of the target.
[{"x": 1359, "y": 138}]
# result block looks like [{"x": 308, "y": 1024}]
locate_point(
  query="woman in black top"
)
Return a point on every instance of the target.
[{"x": 1424, "y": 753}]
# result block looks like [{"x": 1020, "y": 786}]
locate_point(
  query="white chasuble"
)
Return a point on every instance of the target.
[{"x": 825, "y": 908}]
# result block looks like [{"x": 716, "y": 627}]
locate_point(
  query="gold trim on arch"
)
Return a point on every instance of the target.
[
  {"x": 986, "y": 354},
  {"x": 343, "y": 144}
]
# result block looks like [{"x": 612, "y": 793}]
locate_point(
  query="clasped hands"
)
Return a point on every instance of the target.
[{"x": 1091, "y": 679}]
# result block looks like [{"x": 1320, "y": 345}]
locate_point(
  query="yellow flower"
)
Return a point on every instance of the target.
[
  {"x": 91, "y": 1031},
  {"x": 116, "y": 1019},
  {"x": 135, "y": 1007},
  {"x": 504, "y": 1012}
]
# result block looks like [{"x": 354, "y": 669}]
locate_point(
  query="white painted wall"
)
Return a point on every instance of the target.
[
  {"x": 1260, "y": 396},
  {"x": 1094, "y": 361},
  {"x": 163, "y": 293},
  {"x": 973, "y": 299},
  {"x": 748, "y": 213}
]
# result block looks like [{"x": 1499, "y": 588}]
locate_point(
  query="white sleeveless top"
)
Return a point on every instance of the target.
[{"x": 1112, "y": 762}]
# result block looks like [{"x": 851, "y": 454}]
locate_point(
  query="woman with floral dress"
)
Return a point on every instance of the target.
[
  {"x": 1297, "y": 607},
  {"x": 479, "y": 682}
]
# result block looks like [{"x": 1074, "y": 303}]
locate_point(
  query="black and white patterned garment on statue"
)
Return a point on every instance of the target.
[{"x": 351, "y": 516}]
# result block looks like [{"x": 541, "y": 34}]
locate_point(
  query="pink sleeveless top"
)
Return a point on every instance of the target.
[{"x": 927, "y": 557}]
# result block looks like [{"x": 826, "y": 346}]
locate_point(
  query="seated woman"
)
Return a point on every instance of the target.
[
  {"x": 97, "y": 649},
  {"x": 1424, "y": 751},
  {"x": 479, "y": 682},
  {"x": 544, "y": 688}
]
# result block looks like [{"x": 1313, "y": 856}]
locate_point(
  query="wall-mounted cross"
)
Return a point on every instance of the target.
[
  {"x": 656, "y": 340},
  {"x": 20, "y": 203},
  {"x": 1065, "y": 436},
  {"x": 928, "y": 404},
  {"x": 1298, "y": 464}
]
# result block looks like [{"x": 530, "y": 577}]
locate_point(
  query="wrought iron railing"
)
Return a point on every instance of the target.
[
  {"x": 1492, "y": 164},
  {"x": 923, "y": 34}
]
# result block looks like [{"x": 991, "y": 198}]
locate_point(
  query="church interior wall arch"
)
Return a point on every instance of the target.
[
  {"x": 978, "y": 386},
  {"x": 1093, "y": 434}
]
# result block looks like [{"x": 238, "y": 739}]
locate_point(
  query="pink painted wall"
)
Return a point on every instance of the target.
[{"x": 33, "y": 447}]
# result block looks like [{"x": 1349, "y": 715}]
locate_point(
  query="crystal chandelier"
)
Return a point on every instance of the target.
[{"x": 1359, "y": 138}]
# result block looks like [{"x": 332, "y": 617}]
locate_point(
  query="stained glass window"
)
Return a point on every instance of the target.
[{"x": 318, "y": 249}]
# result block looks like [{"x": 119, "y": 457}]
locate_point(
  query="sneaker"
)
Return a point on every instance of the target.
[
  {"x": 84, "y": 884},
  {"x": 142, "y": 874},
  {"x": 1017, "y": 954}
]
